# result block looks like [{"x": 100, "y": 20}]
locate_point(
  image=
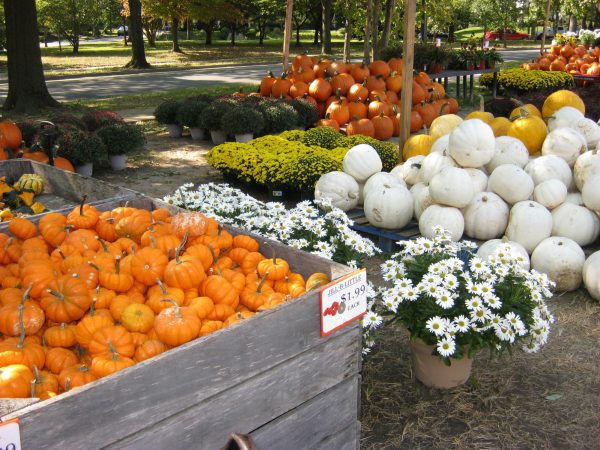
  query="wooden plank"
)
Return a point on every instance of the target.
[
  {"x": 156, "y": 389},
  {"x": 287, "y": 33},
  {"x": 346, "y": 439},
  {"x": 311, "y": 425},
  {"x": 261, "y": 399},
  {"x": 9, "y": 405},
  {"x": 408, "y": 58}
]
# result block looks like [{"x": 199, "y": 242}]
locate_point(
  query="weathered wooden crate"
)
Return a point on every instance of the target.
[
  {"x": 62, "y": 190},
  {"x": 272, "y": 376}
]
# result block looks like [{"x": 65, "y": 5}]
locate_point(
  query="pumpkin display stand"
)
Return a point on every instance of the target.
[{"x": 271, "y": 376}]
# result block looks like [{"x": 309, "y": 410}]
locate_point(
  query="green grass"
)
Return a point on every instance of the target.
[{"x": 152, "y": 99}]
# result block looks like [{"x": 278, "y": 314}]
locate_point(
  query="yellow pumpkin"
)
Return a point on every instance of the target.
[
  {"x": 316, "y": 280},
  {"x": 531, "y": 110},
  {"x": 558, "y": 99},
  {"x": 417, "y": 144},
  {"x": 487, "y": 117},
  {"x": 500, "y": 126},
  {"x": 531, "y": 131},
  {"x": 443, "y": 125}
]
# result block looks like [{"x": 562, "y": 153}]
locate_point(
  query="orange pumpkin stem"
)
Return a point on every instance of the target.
[
  {"x": 91, "y": 264},
  {"x": 102, "y": 243},
  {"x": 175, "y": 305},
  {"x": 118, "y": 265},
  {"x": 262, "y": 282},
  {"x": 115, "y": 354},
  {"x": 83, "y": 199},
  {"x": 162, "y": 287}
]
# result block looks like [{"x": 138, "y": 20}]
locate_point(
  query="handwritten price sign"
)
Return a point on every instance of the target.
[
  {"x": 343, "y": 302},
  {"x": 10, "y": 435}
]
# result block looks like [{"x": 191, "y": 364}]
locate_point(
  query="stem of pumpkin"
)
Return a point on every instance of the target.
[
  {"x": 180, "y": 248},
  {"x": 68, "y": 384},
  {"x": 212, "y": 253},
  {"x": 91, "y": 264},
  {"x": 262, "y": 282},
  {"x": 175, "y": 305},
  {"x": 56, "y": 294},
  {"x": 118, "y": 265},
  {"x": 152, "y": 241},
  {"x": 103, "y": 243},
  {"x": 62, "y": 255},
  {"x": 36, "y": 374},
  {"x": 93, "y": 307},
  {"x": 115, "y": 354},
  {"x": 21, "y": 343},
  {"x": 83, "y": 199},
  {"x": 162, "y": 287}
]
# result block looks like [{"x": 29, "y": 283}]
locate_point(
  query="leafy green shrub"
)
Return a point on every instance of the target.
[
  {"x": 242, "y": 120},
  {"x": 251, "y": 33},
  {"x": 213, "y": 113},
  {"x": 388, "y": 151},
  {"x": 323, "y": 137},
  {"x": 166, "y": 112},
  {"x": 68, "y": 119},
  {"x": 307, "y": 170},
  {"x": 391, "y": 51},
  {"x": 293, "y": 135},
  {"x": 189, "y": 113},
  {"x": 278, "y": 117},
  {"x": 121, "y": 138},
  {"x": 98, "y": 119},
  {"x": 80, "y": 147},
  {"x": 521, "y": 80},
  {"x": 307, "y": 112}
]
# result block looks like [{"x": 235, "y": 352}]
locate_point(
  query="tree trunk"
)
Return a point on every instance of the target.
[
  {"x": 390, "y": 5},
  {"x": 318, "y": 27},
  {"x": 138, "y": 53},
  {"x": 209, "y": 34},
  {"x": 76, "y": 37},
  {"x": 375, "y": 27},
  {"x": 348, "y": 33},
  {"x": 150, "y": 32},
  {"x": 124, "y": 32},
  {"x": 59, "y": 43},
  {"x": 451, "y": 33},
  {"x": 423, "y": 22},
  {"x": 326, "y": 45},
  {"x": 298, "y": 35},
  {"x": 233, "y": 28},
  {"x": 262, "y": 30},
  {"x": 27, "y": 89},
  {"x": 367, "y": 43},
  {"x": 174, "y": 31},
  {"x": 572, "y": 23},
  {"x": 187, "y": 29}
]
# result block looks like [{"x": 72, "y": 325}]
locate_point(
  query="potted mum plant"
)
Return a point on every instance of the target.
[
  {"x": 454, "y": 304},
  {"x": 189, "y": 114},
  {"x": 242, "y": 123},
  {"x": 211, "y": 119},
  {"x": 81, "y": 149},
  {"x": 307, "y": 113},
  {"x": 119, "y": 140},
  {"x": 167, "y": 114}
]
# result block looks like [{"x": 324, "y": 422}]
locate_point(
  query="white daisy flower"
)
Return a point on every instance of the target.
[
  {"x": 436, "y": 326},
  {"x": 446, "y": 347},
  {"x": 462, "y": 324}
]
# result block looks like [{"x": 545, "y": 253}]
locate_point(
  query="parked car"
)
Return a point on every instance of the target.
[
  {"x": 509, "y": 35},
  {"x": 550, "y": 33},
  {"x": 122, "y": 30}
]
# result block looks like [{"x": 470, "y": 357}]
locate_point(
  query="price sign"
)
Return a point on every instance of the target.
[
  {"x": 343, "y": 302},
  {"x": 10, "y": 435},
  {"x": 438, "y": 42}
]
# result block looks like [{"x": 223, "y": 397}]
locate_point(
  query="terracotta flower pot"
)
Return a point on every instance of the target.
[
  {"x": 431, "y": 370},
  {"x": 482, "y": 64}
]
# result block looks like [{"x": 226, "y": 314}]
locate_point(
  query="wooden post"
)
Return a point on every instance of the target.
[
  {"x": 543, "y": 46},
  {"x": 367, "y": 45},
  {"x": 408, "y": 56},
  {"x": 287, "y": 34}
]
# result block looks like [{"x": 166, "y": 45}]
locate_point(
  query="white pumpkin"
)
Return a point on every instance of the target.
[
  {"x": 550, "y": 193},
  {"x": 379, "y": 179},
  {"x": 432, "y": 164},
  {"x": 586, "y": 165},
  {"x": 389, "y": 206},
  {"x": 443, "y": 125},
  {"x": 472, "y": 143},
  {"x": 362, "y": 161},
  {"x": 529, "y": 223},
  {"x": 575, "y": 198},
  {"x": 421, "y": 199},
  {"x": 549, "y": 167},
  {"x": 511, "y": 183},
  {"x": 564, "y": 117},
  {"x": 486, "y": 216},
  {"x": 451, "y": 219},
  {"x": 452, "y": 186},
  {"x": 479, "y": 179},
  {"x": 340, "y": 187},
  {"x": 565, "y": 143},
  {"x": 493, "y": 247},
  {"x": 590, "y": 194},
  {"x": 575, "y": 222},
  {"x": 361, "y": 194},
  {"x": 591, "y": 275},
  {"x": 589, "y": 130},
  {"x": 509, "y": 150},
  {"x": 562, "y": 260},
  {"x": 441, "y": 145},
  {"x": 409, "y": 171}
]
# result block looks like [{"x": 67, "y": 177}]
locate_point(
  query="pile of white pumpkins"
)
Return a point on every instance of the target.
[{"x": 487, "y": 188}]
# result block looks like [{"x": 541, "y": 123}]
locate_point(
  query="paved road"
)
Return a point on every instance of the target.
[{"x": 105, "y": 86}]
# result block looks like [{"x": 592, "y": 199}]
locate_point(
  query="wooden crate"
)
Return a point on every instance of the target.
[
  {"x": 62, "y": 190},
  {"x": 272, "y": 376},
  {"x": 384, "y": 239}
]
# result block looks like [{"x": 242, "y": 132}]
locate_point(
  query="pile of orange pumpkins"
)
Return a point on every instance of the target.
[
  {"x": 11, "y": 146},
  {"x": 568, "y": 58},
  {"x": 89, "y": 293},
  {"x": 362, "y": 98}
]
